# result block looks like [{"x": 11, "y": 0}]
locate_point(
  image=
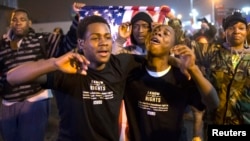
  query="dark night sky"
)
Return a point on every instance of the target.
[{"x": 59, "y": 10}]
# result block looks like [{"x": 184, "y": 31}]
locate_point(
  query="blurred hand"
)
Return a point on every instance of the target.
[
  {"x": 125, "y": 30},
  {"x": 204, "y": 26},
  {"x": 77, "y": 6},
  {"x": 167, "y": 11},
  {"x": 186, "y": 56},
  {"x": 170, "y": 15},
  {"x": 72, "y": 63},
  {"x": 7, "y": 36}
]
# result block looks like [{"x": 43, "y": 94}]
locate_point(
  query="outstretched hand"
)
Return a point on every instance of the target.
[{"x": 72, "y": 63}]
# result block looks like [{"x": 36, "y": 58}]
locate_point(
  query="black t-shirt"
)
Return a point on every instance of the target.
[
  {"x": 155, "y": 105},
  {"x": 89, "y": 105}
]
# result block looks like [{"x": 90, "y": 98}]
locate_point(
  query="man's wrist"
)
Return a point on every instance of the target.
[{"x": 193, "y": 68}]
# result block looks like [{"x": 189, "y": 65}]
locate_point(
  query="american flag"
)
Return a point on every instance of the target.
[{"x": 116, "y": 15}]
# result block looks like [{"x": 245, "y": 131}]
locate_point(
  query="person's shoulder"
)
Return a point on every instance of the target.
[
  {"x": 42, "y": 34},
  {"x": 32, "y": 34},
  {"x": 125, "y": 58},
  {"x": 122, "y": 56},
  {"x": 247, "y": 53},
  {"x": 127, "y": 55}
]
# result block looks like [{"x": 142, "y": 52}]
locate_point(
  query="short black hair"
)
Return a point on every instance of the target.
[
  {"x": 20, "y": 10},
  {"x": 86, "y": 21}
]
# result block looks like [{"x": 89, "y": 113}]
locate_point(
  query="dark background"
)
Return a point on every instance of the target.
[{"x": 5, "y": 13}]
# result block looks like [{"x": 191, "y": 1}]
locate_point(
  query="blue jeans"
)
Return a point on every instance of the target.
[{"x": 24, "y": 121}]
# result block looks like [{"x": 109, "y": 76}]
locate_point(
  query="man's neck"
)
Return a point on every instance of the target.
[
  {"x": 237, "y": 48},
  {"x": 157, "y": 64},
  {"x": 17, "y": 38}
]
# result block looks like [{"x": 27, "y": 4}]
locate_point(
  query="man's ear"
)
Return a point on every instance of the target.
[{"x": 30, "y": 23}]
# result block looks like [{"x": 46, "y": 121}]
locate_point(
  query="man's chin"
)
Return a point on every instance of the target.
[
  {"x": 18, "y": 34},
  {"x": 104, "y": 59}
]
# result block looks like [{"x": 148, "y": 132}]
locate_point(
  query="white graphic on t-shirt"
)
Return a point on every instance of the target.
[
  {"x": 153, "y": 103},
  {"x": 98, "y": 92}
]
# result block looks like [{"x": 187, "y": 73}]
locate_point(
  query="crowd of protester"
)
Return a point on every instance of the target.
[{"x": 106, "y": 90}]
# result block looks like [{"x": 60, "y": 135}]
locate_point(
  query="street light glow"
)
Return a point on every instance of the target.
[
  {"x": 246, "y": 10},
  {"x": 179, "y": 16}
]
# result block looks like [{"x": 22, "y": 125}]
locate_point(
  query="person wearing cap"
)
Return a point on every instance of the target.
[
  {"x": 93, "y": 102},
  {"x": 136, "y": 30},
  {"x": 227, "y": 65}
]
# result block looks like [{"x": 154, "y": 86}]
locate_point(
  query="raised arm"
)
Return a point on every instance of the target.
[
  {"x": 66, "y": 43},
  {"x": 207, "y": 91},
  {"x": 68, "y": 63},
  {"x": 124, "y": 31}
]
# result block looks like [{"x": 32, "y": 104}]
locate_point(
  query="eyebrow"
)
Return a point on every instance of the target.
[
  {"x": 100, "y": 34},
  {"x": 167, "y": 28}
]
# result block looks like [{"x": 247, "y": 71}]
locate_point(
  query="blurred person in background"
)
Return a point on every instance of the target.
[
  {"x": 25, "y": 108},
  {"x": 207, "y": 31},
  {"x": 226, "y": 65}
]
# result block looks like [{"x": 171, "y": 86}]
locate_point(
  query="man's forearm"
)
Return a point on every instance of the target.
[
  {"x": 69, "y": 41},
  {"x": 198, "y": 122},
  {"x": 30, "y": 71}
]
